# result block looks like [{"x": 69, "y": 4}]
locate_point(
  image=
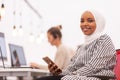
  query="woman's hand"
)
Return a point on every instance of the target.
[
  {"x": 53, "y": 68},
  {"x": 34, "y": 65}
]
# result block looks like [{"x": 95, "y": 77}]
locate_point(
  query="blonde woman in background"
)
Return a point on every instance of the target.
[{"x": 63, "y": 54}]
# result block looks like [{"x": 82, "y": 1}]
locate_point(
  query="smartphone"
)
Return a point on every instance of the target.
[{"x": 48, "y": 60}]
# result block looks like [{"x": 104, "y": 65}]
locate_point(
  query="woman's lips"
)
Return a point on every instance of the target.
[{"x": 86, "y": 29}]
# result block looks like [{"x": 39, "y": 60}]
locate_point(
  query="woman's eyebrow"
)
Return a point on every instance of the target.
[{"x": 91, "y": 18}]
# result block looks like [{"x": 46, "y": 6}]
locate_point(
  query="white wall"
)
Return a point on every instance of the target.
[{"x": 65, "y": 12}]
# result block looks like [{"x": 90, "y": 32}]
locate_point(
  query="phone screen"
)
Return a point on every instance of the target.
[{"x": 48, "y": 60}]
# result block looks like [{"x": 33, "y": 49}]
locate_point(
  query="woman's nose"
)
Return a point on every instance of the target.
[{"x": 85, "y": 23}]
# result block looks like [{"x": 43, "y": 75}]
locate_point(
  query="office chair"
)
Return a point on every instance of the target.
[{"x": 117, "y": 67}]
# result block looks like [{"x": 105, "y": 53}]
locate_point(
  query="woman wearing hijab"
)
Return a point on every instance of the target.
[{"x": 95, "y": 57}]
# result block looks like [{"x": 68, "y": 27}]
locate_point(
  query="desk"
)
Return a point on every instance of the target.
[{"x": 23, "y": 72}]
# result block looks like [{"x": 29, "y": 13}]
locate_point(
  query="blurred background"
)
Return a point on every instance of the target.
[{"x": 25, "y": 23}]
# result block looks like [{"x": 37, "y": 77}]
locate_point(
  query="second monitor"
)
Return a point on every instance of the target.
[{"x": 17, "y": 55}]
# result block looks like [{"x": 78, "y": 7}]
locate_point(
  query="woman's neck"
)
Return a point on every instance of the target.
[{"x": 58, "y": 43}]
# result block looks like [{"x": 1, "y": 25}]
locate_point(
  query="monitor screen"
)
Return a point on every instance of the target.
[
  {"x": 17, "y": 55},
  {"x": 3, "y": 51}
]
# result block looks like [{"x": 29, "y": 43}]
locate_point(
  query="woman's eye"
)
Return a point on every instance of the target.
[
  {"x": 82, "y": 21},
  {"x": 90, "y": 20}
]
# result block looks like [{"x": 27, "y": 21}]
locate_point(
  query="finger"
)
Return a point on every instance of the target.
[
  {"x": 57, "y": 70},
  {"x": 52, "y": 68},
  {"x": 49, "y": 65}
]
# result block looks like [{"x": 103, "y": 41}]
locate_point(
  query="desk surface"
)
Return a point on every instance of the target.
[
  {"x": 28, "y": 72},
  {"x": 22, "y": 70}
]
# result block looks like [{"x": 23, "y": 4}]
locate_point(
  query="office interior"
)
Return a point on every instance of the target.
[{"x": 25, "y": 23}]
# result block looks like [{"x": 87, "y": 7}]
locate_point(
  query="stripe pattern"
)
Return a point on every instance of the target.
[{"x": 95, "y": 58}]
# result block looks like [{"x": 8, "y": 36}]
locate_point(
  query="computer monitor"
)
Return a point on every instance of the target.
[
  {"x": 17, "y": 55},
  {"x": 3, "y": 51}
]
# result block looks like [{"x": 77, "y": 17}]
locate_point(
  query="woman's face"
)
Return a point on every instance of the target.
[
  {"x": 51, "y": 39},
  {"x": 88, "y": 24}
]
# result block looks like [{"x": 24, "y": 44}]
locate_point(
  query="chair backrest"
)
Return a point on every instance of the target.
[{"x": 117, "y": 67}]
